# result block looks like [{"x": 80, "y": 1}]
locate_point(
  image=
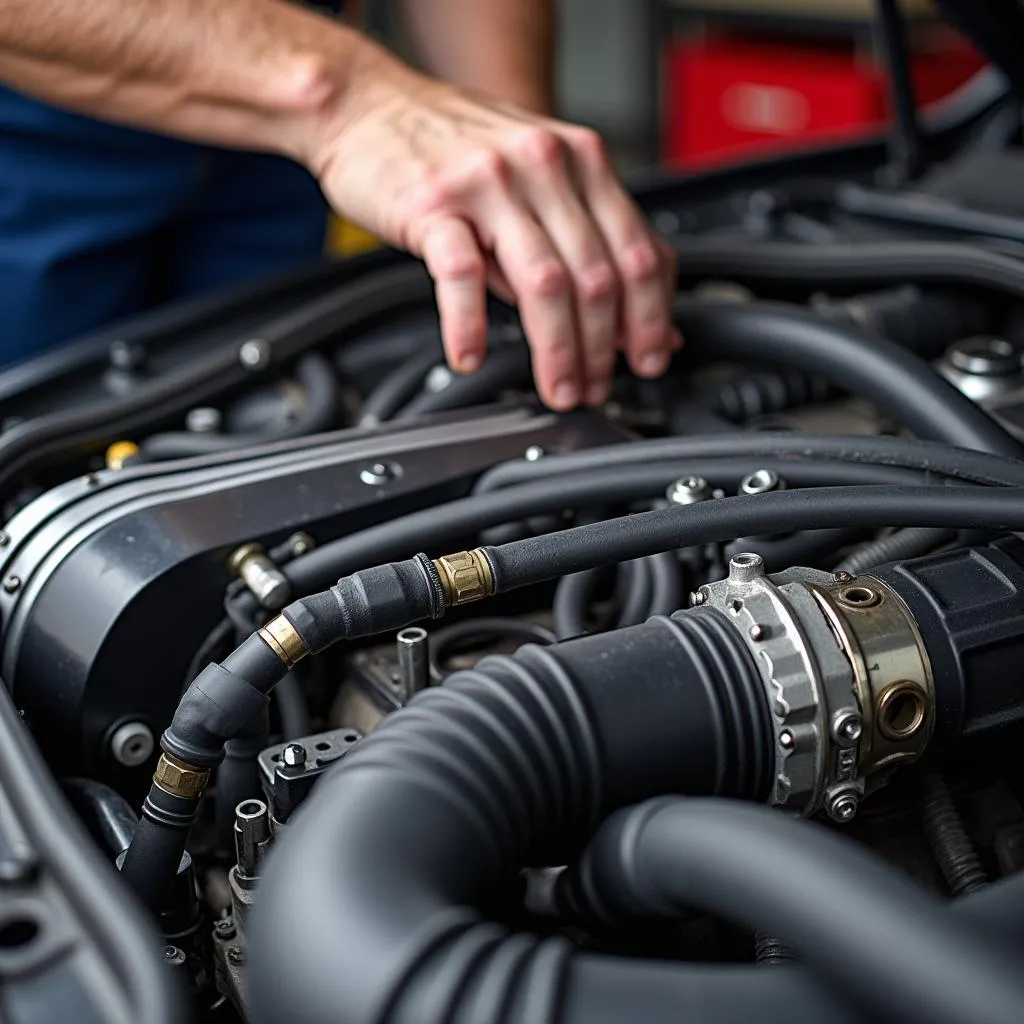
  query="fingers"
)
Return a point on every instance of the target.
[
  {"x": 453, "y": 256},
  {"x": 543, "y": 287},
  {"x": 644, "y": 265},
  {"x": 576, "y": 238}
]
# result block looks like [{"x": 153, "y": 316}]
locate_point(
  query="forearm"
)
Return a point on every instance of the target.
[
  {"x": 501, "y": 47},
  {"x": 256, "y": 74}
]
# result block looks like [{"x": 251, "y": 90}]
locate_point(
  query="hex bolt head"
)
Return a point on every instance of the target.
[
  {"x": 847, "y": 727},
  {"x": 379, "y": 473},
  {"x": 174, "y": 956},
  {"x": 697, "y": 598},
  {"x": 224, "y": 928},
  {"x": 254, "y": 354},
  {"x": 236, "y": 955},
  {"x": 842, "y": 577},
  {"x": 293, "y": 755},
  {"x": 690, "y": 490},
  {"x": 842, "y": 807}
]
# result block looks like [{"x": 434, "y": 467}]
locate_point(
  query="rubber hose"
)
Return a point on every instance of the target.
[
  {"x": 450, "y": 523},
  {"x": 923, "y": 456},
  {"x": 666, "y": 584},
  {"x": 538, "y": 559},
  {"x": 449, "y": 640},
  {"x": 901, "y": 384},
  {"x": 315, "y": 376},
  {"x": 292, "y": 709},
  {"x": 947, "y": 839},
  {"x": 909, "y": 543},
  {"x": 803, "y": 548},
  {"x": 769, "y": 950},
  {"x": 893, "y": 949},
  {"x": 399, "y": 386},
  {"x": 635, "y": 603},
  {"x": 857, "y": 267},
  {"x": 507, "y": 366},
  {"x": 572, "y": 602},
  {"x": 106, "y": 813},
  {"x": 767, "y": 392},
  {"x": 238, "y": 779},
  {"x": 512, "y": 763}
]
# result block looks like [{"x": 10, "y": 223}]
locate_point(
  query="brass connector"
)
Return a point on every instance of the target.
[
  {"x": 180, "y": 778},
  {"x": 284, "y": 640},
  {"x": 119, "y": 452},
  {"x": 465, "y": 576}
]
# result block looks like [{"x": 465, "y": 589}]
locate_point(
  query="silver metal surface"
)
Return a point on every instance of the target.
[
  {"x": 983, "y": 367},
  {"x": 264, "y": 579},
  {"x": 761, "y": 481},
  {"x": 254, "y": 354},
  {"x": 438, "y": 379},
  {"x": 534, "y": 453},
  {"x": 378, "y": 473},
  {"x": 413, "y": 660},
  {"x": 203, "y": 420},
  {"x": 689, "y": 491},
  {"x": 132, "y": 744},
  {"x": 293, "y": 755},
  {"x": 252, "y": 837},
  {"x": 843, "y": 806}
]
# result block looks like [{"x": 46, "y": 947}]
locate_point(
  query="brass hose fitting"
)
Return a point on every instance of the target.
[
  {"x": 465, "y": 577},
  {"x": 180, "y": 779},
  {"x": 284, "y": 640}
]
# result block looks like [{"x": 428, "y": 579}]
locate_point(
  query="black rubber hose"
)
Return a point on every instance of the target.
[
  {"x": 770, "y": 950},
  {"x": 893, "y": 949},
  {"x": 572, "y": 602},
  {"x": 790, "y": 449},
  {"x": 403, "y": 383},
  {"x": 512, "y": 763},
  {"x": 901, "y": 384},
  {"x": 947, "y": 839},
  {"x": 666, "y": 584},
  {"x": 765, "y": 393},
  {"x": 292, "y": 708},
  {"x": 107, "y": 814},
  {"x": 635, "y": 579},
  {"x": 803, "y": 548},
  {"x": 450, "y": 640},
  {"x": 845, "y": 266},
  {"x": 506, "y": 366},
  {"x": 538, "y": 559},
  {"x": 450, "y": 523},
  {"x": 238, "y": 780},
  {"x": 315, "y": 376},
  {"x": 911, "y": 542}
]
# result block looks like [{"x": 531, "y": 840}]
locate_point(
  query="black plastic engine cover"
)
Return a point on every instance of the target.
[{"x": 112, "y": 581}]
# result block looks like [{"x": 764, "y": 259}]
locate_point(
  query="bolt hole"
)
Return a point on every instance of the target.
[
  {"x": 350, "y": 737},
  {"x": 18, "y": 932},
  {"x": 901, "y": 712},
  {"x": 859, "y": 597},
  {"x": 736, "y": 607},
  {"x": 745, "y": 559},
  {"x": 323, "y": 745}
]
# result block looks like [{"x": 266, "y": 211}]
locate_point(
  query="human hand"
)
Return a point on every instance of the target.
[{"x": 490, "y": 195}]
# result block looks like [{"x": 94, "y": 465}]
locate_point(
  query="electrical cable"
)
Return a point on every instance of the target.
[{"x": 901, "y": 544}]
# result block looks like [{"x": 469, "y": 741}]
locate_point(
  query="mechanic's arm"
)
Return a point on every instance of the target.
[
  {"x": 483, "y": 192},
  {"x": 505, "y": 48}
]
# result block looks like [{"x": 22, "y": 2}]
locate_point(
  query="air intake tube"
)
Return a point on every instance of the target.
[{"x": 515, "y": 762}]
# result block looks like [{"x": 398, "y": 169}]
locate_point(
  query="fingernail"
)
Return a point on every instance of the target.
[
  {"x": 653, "y": 364},
  {"x": 566, "y": 394},
  {"x": 468, "y": 363},
  {"x": 597, "y": 393}
]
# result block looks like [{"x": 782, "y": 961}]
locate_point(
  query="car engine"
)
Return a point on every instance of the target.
[{"x": 340, "y": 688}]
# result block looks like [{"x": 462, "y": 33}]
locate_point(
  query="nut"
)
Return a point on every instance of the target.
[{"x": 180, "y": 779}]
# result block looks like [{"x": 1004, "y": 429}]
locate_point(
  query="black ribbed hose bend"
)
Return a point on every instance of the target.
[
  {"x": 513, "y": 763},
  {"x": 890, "y": 945},
  {"x": 911, "y": 542},
  {"x": 947, "y": 839},
  {"x": 901, "y": 384}
]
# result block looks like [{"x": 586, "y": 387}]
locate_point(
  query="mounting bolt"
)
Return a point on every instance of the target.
[
  {"x": 293, "y": 755},
  {"x": 132, "y": 744},
  {"x": 300, "y": 544},
  {"x": 847, "y": 727},
  {"x": 204, "y": 419},
  {"x": 786, "y": 740},
  {"x": 534, "y": 453},
  {"x": 174, "y": 956},
  {"x": 690, "y": 490},
  {"x": 236, "y": 955},
  {"x": 438, "y": 379},
  {"x": 842, "y": 807},
  {"x": 224, "y": 928},
  {"x": 697, "y": 598},
  {"x": 761, "y": 481},
  {"x": 842, "y": 577},
  {"x": 254, "y": 354},
  {"x": 11, "y": 584},
  {"x": 758, "y": 632},
  {"x": 5, "y": 539},
  {"x": 378, "y": 473}
]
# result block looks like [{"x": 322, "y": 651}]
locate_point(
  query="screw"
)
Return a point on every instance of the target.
[
  {"x": 174, "y": 956},
  {"x": 534, "y": 453},
  {"x": 786, "y": 740},
  {"x": 758, "y": 632},
  {"x": 203, "y": 420},
  {"x": 438, "y": 379},
  {"x": 11, "y": 584},
  {"x": 236, "y": 955},
  {"x": 254, "y": 354},
  {"x": 5, "y": 539},
  {"x": 224, "y": 928},
  {"x": 300, "y": 543},
  {"x": 689, "y": 491},
  {"x": 132, "y": 744},
  {"x": 380, "y": 473},
  {"x": 697, "y": 598},
  {"x": 842, "y": 577},
  {"x": 848, "y": 727},
  {"x": 843, "y": 806},
  {"x": 92, "y": 480},
  {"x": 293, "y": 755}
]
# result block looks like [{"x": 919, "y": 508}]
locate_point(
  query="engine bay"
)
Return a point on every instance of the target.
[{"x": 342, "y": 688}]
